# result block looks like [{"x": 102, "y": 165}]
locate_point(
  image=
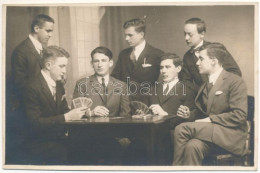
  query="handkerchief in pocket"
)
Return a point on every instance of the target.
[{"x": 218, "y": 93}]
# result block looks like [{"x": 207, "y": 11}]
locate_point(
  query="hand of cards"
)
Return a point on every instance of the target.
[
  {"x": 140, "y": 109},
  {"x": 82, "y": 102}
]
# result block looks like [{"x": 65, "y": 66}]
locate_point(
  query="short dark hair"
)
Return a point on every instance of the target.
[
  {"x": 139, "y": 25},
  {"x": 201, "y": 26},
  {"x": 40, "y": 20},
  {"x": 216, "y": 50},
  {"x": 102, "y": 50},
  {"x": 177, "y": 61},
  {"x": 52, "y": 52}
]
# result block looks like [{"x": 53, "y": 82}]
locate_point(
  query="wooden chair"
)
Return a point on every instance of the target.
[{"x": 224, "y": 158}]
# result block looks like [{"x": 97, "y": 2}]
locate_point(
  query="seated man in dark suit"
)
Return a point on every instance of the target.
[
  {"x": 170, "y": 93},
  {"x": 109, "y": 95},
  {"x": 110, "y": 99},
  {"x": 220, "y": 116},
  {"x": 46, "y": 109}
]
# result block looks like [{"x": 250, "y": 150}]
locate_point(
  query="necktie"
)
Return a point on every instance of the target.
[
  {"x": 209, "y": 86},
  {"x": 104, "y": 91},
  {"x": 166, "y": 90},
  {"x": 41, "y": 55},
  {"x": 54, "y": 92},
  {"x": 193, "y": 51},
  {"x": 132, "y": 56}
]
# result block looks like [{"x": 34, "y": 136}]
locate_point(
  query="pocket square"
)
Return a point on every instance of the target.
[
  {"x": 218, "y": 93},
  {"x": 63, "y": 97},
  {"x": 146, "y": 65}
]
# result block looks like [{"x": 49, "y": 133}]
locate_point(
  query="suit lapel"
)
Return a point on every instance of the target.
[
  {"x": 199, "y": 95},
  {"x": 34, "y": 51},
  {"x": 47, "y": 93},
  {"x": 216, "y": 86},
  {"x": 110, "y": 88},
  {"x": 130, "y": 64},
  {"x": 58, "y": 95},
  {"x": 98, "y": 88},
  {"x": 141, "y": 57}
]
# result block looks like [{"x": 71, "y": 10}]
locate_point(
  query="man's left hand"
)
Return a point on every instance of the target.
[{"x": 157, "y": 109}]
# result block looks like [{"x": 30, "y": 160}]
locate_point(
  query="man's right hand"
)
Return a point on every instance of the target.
[
  {"x": 100, "y": 111},
  {"x": 183, "y": 112},
  {"x": 75, "y": 114}
]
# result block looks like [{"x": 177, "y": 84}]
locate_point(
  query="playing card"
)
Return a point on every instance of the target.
[
  {"x": 136, "y": 105},
  {"x": 88, "y": 102},
  {"x": 77, "y": 103}
]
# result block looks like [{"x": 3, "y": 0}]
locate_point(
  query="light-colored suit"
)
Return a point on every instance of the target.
[
  {"x": 227, "y": 109},
  {"x": 117, "y": 98}
]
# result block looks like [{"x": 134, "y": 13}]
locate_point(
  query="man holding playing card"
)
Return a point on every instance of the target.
[
  {"x": 46, "y": 109},
  {"x": 106, "y": 97},
  {"x": 170, "y": 93},
  {"x": 108, "y": 94}
]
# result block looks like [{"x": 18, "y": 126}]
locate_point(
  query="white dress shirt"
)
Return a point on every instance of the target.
[
  {"x": 36, "y": 43},
  {"x": 138, "y": 49},
  {"x": 213, "y": 77},
  {"x": 51, "y": 83},
  {"x": 171, "y": 84},
  {"x": 197, "y": 52},
  {"x": 106, "y": 77}
]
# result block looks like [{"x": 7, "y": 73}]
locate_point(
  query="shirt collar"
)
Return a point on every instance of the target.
[
  {"x": 213, "y": 77},
  {"x": 172, "y": 82},
  {"x": 199, "y": 45},
  {"x": 36, "y": 43},
  {"x": 49, "y": 80},
  {"x": 106, "y": 77},
  {"x": 140, "y": 47}
]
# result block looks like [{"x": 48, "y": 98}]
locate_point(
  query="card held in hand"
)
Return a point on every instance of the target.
[
  {"x": 82, "y": 102},
  {"x": 138, "y": 107}
]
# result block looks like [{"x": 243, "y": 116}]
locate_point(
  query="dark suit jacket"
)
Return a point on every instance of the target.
[
  {"x": 117, "y": 98},
  {"x": 190, "y": 71},
  {"x": 125, "y": 68},
  {"x": 25, "y": 63},
  {"x": 180, "y": 94},
  {"x": 44, "y": 114},
  {"x": 227, "y": 109}
]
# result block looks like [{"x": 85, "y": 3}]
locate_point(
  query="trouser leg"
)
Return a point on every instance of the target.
[
  {"x": 185, "y": 132},
  {"x": 195, "y": 151}
]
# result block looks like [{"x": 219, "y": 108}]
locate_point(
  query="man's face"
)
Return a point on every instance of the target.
[
  {"x": 132, "y": 37},
  {"x": 204, "y": 63},
  {"x": 168, "y": 70},
  {"x": 101, "y": 64},
  {"x": 57, "y": 68},
  {"x": 44, "y": 33},
  {"x": 192, "y": 37}
]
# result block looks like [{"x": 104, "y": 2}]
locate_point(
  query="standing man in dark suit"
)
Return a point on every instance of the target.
[
  {"x": 138, "y": 65},
  {"x": 194, "y": 30},
  {"x": 26, "y": 56},
  {"x": 222, "y": 103},
  {"x": 168, "y": 95},
  {"x": 25, "y": 63},
  {"x": 46, "y": 108}
]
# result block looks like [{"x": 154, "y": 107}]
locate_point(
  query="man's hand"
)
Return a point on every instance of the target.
[
  {"x": 157, "y": 110},
  {"x": 101, "y": 111},
  {"x": 205, "y": 120},
  {"x": 75, "y": 114},
  {"x": 183, "y": 112}
]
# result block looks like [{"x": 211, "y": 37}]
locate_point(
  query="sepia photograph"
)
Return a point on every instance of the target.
[{"x": 130, "y": 86}]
